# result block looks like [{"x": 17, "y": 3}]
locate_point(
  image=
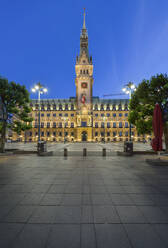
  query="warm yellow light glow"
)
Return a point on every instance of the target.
[
  {"x": 36, "y": 87},
  {"x": 124, "y": 89},
  {"x": 45, "y": 90},
  {"x": 132, "y": 86},
  {"x": 33, "y": 90}
]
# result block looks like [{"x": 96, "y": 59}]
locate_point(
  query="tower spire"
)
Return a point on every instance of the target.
[{"x": 84, "y": 24}]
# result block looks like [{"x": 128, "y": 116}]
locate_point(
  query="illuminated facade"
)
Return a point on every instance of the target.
[{"x": 84, "y": 117}]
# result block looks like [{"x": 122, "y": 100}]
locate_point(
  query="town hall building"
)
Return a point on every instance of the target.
[{"x": 83, "y": 117}]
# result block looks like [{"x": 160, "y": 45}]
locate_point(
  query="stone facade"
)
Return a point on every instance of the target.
[{"x": 84, "y": 117}]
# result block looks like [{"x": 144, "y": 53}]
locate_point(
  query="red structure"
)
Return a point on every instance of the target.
[{"x": 157, "y": 128}]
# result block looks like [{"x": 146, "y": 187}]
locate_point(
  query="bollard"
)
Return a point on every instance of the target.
[
  {"x": 65, "y": 152},
  {"x": 104, "y": 152},
  {"x": 84, "y": 152}
]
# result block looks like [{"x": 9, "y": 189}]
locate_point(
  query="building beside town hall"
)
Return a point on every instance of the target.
[{"x": 83, "y": 117}]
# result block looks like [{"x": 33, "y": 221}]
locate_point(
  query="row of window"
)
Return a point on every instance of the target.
[
  {"x": 48, "y": 134},
  {"x": 102, "y": 134},
  {"x": 84, "y": 124},
  {"x": 114, "y": 115},
  {"x": 114, "y": 134},
  {"x": 102, "y": 107},
  {"x": 114, "y": 108},
  {"x": 84, "y": 72},
  {"x": 114, "y": 125},
  {"x": 72, "y": 115},
  {"x": 53, "y": 107},
  {"x": 54, "y": 115},
  {"x": 54, "y": 125}
]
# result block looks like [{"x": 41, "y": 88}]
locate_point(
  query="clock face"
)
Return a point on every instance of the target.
[{"x": 84, "y": 85}]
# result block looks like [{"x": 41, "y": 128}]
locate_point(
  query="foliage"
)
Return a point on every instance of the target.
[
  {"x": 147, "y": 94},
  {"x": 14, "y": 102}
]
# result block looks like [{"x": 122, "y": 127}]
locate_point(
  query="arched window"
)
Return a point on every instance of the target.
[
  {"x": 66, "y": 106},
  {"x": 60, "y": 106},
  {"x": 114, "y": 107},
  {"x": 120, "y": 124},
  {"x": 80, "y": 71},
  {"x": 96, "y": 107},
  {"x": 108, "y": 107},
  {"x": 119, "y": 107},
  {"x": 83, "y": 71},
  {"x": 126, "y": 107},
  {"x": 48, "y": 107},
  {"x": 102, "y": 107},
  {"x": 72, "y": 107},
  {"x": 54, "y": 107}
]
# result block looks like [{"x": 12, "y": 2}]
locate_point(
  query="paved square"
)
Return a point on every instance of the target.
[{"x": 82, "y": 202}]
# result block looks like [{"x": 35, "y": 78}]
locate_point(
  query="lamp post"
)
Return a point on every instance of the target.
[
  {"x": 41, "y": 90},
  {"x": 128, "y": 89}
]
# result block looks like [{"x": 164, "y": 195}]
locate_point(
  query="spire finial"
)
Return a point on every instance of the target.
[{"x": 84, "y": 25}]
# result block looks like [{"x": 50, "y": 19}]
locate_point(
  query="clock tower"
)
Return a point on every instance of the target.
[
  {"x": 84, "y": 83},
  {"x": 84, "y": 73}
]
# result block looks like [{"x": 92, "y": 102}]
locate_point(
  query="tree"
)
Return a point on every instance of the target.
[
  {"x": 14, "y": 109},
  {"x": 143, "y": 100}
]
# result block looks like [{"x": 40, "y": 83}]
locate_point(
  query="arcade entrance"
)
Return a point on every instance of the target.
[{"x": 84, "y": 136}]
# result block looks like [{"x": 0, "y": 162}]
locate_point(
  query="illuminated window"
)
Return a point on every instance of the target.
[
  {"x": 120, "y": 134},
  {"x": 102, "y": 124},
  {"x": 48, "y": 134},
  {"x": 114, "y": 124},
  {"x": 120, "y": 124},
  {"x": 126, "y": 124},
  {"x": 96, "y": 124}
]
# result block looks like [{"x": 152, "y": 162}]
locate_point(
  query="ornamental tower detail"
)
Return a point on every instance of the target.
[{"x": 84, "y": 74}]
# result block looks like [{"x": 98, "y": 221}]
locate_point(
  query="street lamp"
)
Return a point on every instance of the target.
[
  {"x": 41, "y": 90},
  {"x": 128, "y": 89}
]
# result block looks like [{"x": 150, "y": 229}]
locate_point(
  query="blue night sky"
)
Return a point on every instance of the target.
[{"x": 128, "y": 40}]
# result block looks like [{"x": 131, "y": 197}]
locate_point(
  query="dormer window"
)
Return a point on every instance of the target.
[{"x": 84, "y": 61}]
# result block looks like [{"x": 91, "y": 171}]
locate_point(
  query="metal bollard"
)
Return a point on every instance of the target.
[
  {"x": 84, "y": 152},
  {"x": 104, "y": 152},
  {"x": 65, "y": 152}
]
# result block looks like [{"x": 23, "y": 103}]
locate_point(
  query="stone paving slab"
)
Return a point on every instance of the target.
[{"x": 82, "y": 202}]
